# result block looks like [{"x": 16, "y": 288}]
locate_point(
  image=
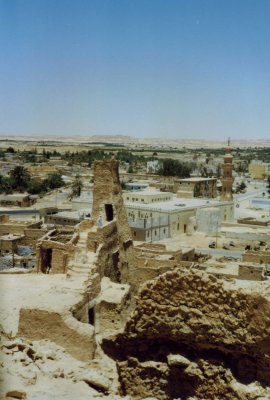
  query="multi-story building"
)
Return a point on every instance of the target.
[
  {"x": 152, "y": 166},
  {"x": 196, "y": 187},
  {"x": 147, "y": 196},
  {"x": 177, "y": 211},
  {"x": 259, "y": 169}
]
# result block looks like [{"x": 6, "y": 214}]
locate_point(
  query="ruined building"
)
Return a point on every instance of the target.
[{"x": 102, "y": 319}]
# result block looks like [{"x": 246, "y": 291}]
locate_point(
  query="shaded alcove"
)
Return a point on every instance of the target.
[
  {"x": 46, "y": 260},
  {"x": 109, "y": 212}
]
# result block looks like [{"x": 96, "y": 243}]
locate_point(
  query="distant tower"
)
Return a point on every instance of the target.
[{"x": 227, "y": 178}]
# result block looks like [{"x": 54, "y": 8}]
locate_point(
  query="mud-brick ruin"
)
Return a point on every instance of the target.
[{"x": 100, "y": 318}]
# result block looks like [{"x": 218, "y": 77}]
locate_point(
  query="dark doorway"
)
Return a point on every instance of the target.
[
  {"x": 116, "y": 272},
  {"x": 109, "y": 212},
  {"x": 46, "y": 260},
  {"x": 185, "y": 228},
  {"x": 115, "y": 258},
  {"x": 91, "y": 316}
]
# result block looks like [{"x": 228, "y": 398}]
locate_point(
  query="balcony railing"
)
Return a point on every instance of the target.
[{"x": 147, "y": 223}]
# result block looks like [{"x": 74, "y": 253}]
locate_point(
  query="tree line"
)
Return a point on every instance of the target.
[
  {"x": 171, "y": 167},
  {"x": 21, "y": 181}
]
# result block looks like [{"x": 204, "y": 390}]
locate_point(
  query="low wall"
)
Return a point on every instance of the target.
[
  {"x": 76, "y": 337},
  {"x": 32, "y": 235},
  {"x": 12, "y": 229},
  {"x": 260, "y": 236},
  {"x": 262, "y": 257},
  {"x": 248, "y": 272},
  {"x": 250, "y": 221},
  {"x": 150, "y": 268},
  {"x": 99, "y": 235},
  {"x": 108, "y": 318},
  {"x": 85, "y": 225}
]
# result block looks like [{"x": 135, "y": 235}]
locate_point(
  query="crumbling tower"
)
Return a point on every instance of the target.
[
  {"x": 227, "y": 178},
  {"x": 107, "y": 197},
  {"x": 109, "y": 213}
]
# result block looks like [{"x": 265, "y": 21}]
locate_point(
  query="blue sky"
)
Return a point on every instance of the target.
[{"x": 146, "y": 68}]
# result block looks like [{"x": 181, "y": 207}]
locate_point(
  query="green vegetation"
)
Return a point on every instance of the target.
[
  {"x": 129, "y": 157},
  {"x": 10, "y": 150},
  {"x": 86, "y": 157},
  {"x": 134, "y": 160},
  {"x": 20, "y": 181},
  {"x": 76, "y": 187},
  {"x": 241, "y": 188},
  {"x": 174, "y": 168}
]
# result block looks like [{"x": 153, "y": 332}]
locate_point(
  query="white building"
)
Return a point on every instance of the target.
[
  {"x": 178, "y": 210},
  {"x": 152, "y": 166}
]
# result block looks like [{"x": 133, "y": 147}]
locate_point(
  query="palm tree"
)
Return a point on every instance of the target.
[
  {"x": 76, "y": 187},
  {"x": 19, "y": 178},
  {"x": 5, "y": 186}
]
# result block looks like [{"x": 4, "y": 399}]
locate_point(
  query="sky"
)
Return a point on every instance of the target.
[{"x": 146, "y": 68}]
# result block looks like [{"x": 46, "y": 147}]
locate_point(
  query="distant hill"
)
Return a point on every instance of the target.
[{"x": 129, "y": 140}]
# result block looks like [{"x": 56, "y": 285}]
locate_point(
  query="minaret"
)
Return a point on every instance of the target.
[{"x": 227, "y": 178}]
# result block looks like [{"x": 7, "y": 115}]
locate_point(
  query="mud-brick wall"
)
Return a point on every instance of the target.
[
  {"x": 150, "y": 268},
  {"x": 107, "y": 317},
  {"x": 155, "y": 264},
  {"x": 8, "y": 245},
  {"x": 95, "y": 238},
  {"x": 188, "y": 255},
  {"x": 262, "y": 257},
  {"x": 11, "y": 228},
  {"x": 80, "y": 311},
  {"x": 59, "y": 260},
  {"x": 145, "y": 274},
  {"x": 76, "y": 337},
  {"x": 109, "y": 246},
  {"x": 4, "y": 218},
  {"x": 35, "y": 225},
  {"x": 250, "y": 273},
  {"x": 85, "y": 225},
  {"x": 32, "y": 235},
  {"x": 252, "y": 222}
]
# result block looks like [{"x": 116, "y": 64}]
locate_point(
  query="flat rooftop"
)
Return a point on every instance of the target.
[
  {"x": 54, "y": 293},
  {"x": 14, "y": 197},
  {"x": 138, "y": 183},
  {"x": 176, "y": 204},
  {"x": 72, "y": 214},
  {"x": 12, "y": 222},
  {"x": 148, "y": 191},
  {"x": 11, "y": 237},
  {"x": 195, "y": 179},
  {"x": 231, "y": 270}
]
